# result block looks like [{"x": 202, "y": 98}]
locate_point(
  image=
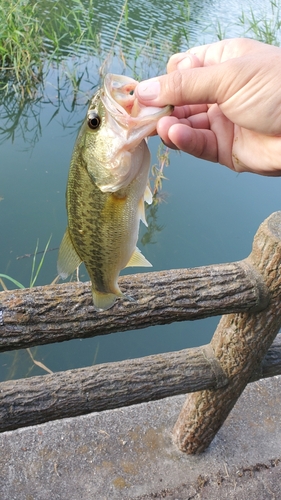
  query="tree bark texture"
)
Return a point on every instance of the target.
[
  {"x": 57, "y": 313},
  {"x": 239, "y": 345},
  {"x": 112, "y": 385}
]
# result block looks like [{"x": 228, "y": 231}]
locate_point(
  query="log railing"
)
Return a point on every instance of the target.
[{"x": 243, "y": 348}]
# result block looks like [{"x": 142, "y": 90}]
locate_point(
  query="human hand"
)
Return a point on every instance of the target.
[{"x": 227, "y": 99}]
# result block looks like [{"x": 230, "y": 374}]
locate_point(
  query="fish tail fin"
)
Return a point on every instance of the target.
[{"x": 103, "y": 301}]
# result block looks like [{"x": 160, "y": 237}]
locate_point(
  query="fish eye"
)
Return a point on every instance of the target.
[
  {"x": 131, "y": 92},
  {"x": 93, "y": 121}
]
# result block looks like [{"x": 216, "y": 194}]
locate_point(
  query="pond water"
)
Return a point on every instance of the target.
[{"x": 209, "y": 215}]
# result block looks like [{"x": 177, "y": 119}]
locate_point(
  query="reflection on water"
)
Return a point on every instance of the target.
[
  {"x": 209, "y": 215},
  {"x": 138, "y": 44}
]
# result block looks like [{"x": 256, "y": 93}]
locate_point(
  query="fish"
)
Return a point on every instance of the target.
[{"x": 107, "y": 187}]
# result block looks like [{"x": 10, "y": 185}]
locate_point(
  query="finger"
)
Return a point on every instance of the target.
[
  {"x": 223, "y": 130},
  {"x": 190, "y": 61},
  {"x": 199, "y": 143},
  {"x": 215, "y": 53},
  {"x": 153, "y": 133},
  {"x": 222, "y": 74},
  {"x": 201, "y": 120},
  {"x": 163, "y": 127},
  {"x": 197, "y": 56},
  {"x": 187, "y": 111},
  {"x": 205, "y": 85},
  {"x": 165, "y": 123}
]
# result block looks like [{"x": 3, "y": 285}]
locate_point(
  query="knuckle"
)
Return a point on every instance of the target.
[{"x": 175, "y": 87}]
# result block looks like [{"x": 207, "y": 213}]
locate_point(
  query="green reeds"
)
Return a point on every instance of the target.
[
  {"x": 9, "y": 278},
  {"x": 35, "y": 269},
  {"x": 32, "y": 36},
  {"x": 264, "y": 28},
  {"x": 21, "y": 45}
]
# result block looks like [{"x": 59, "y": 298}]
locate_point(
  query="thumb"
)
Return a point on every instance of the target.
[{"x": 203, "y": 85}]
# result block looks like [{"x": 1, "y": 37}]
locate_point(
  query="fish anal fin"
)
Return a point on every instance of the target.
[
  {"x": 68, "y": 259},
  {"x": 138, "y": 260}
]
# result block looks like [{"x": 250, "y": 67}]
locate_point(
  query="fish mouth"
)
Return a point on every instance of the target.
[{"x": 120, "y": 102}]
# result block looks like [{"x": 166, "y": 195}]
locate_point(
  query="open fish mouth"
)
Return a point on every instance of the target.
[{"x": 119, "y": 100}]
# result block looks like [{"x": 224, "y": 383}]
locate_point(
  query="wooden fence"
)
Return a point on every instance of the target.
[{"x": 243, "y": 347}]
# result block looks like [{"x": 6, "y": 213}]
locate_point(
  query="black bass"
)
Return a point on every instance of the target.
[{"x": 107, "y": 187}]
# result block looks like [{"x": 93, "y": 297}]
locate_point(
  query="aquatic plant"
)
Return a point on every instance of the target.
[
  {"x": 32, "y": 38},
  {"x": 35, "y": 270},
  {"x": 33, "y": 278},
  {"x": 263, "y": 28},
  {"x": 163, "y": 157},
  {"x": 21, "y": 45}
]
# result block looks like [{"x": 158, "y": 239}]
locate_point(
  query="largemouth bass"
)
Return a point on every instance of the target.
[{"x": 107, "y": 187}]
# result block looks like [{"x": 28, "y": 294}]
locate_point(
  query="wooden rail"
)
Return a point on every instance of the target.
[
  {"x": 113, "y": 385},
  {"x": 246, "y": 292},
  {"x": 56, "y": 313}
]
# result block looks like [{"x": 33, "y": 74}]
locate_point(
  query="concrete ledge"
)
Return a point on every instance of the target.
[{"x": 128, "y": 454}]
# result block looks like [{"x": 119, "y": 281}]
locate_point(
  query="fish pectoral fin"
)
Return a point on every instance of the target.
[
  {"x": 103, "y": 301},
  {"x": 142, "y": 212},
  {"x": 68, "y": 259},
  {"x": 138, "y": 260},
  {"x": 148, "y": 195}
]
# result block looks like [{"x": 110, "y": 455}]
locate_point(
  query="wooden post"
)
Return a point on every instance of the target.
[{"x": 239, "y": 344}]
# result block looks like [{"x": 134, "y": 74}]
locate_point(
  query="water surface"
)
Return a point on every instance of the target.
[{"x": 210, "y": 214}]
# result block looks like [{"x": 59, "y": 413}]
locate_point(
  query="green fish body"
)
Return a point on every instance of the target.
[{"x": 107, "y": 188}]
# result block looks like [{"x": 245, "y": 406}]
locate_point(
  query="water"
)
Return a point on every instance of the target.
[{"x": 210, "y": 213}]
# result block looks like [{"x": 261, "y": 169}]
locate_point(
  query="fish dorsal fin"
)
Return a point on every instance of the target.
[
  {"x": 68, "y": 259},
  {"x": 138, "y": 260},
  {"x": 148, "y": 195}
]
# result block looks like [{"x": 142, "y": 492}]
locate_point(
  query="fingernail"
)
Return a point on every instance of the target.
[{"x": 149, "y": 89}]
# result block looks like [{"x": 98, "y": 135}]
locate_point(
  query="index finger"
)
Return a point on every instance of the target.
[{"x": 212, "y": 53}]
